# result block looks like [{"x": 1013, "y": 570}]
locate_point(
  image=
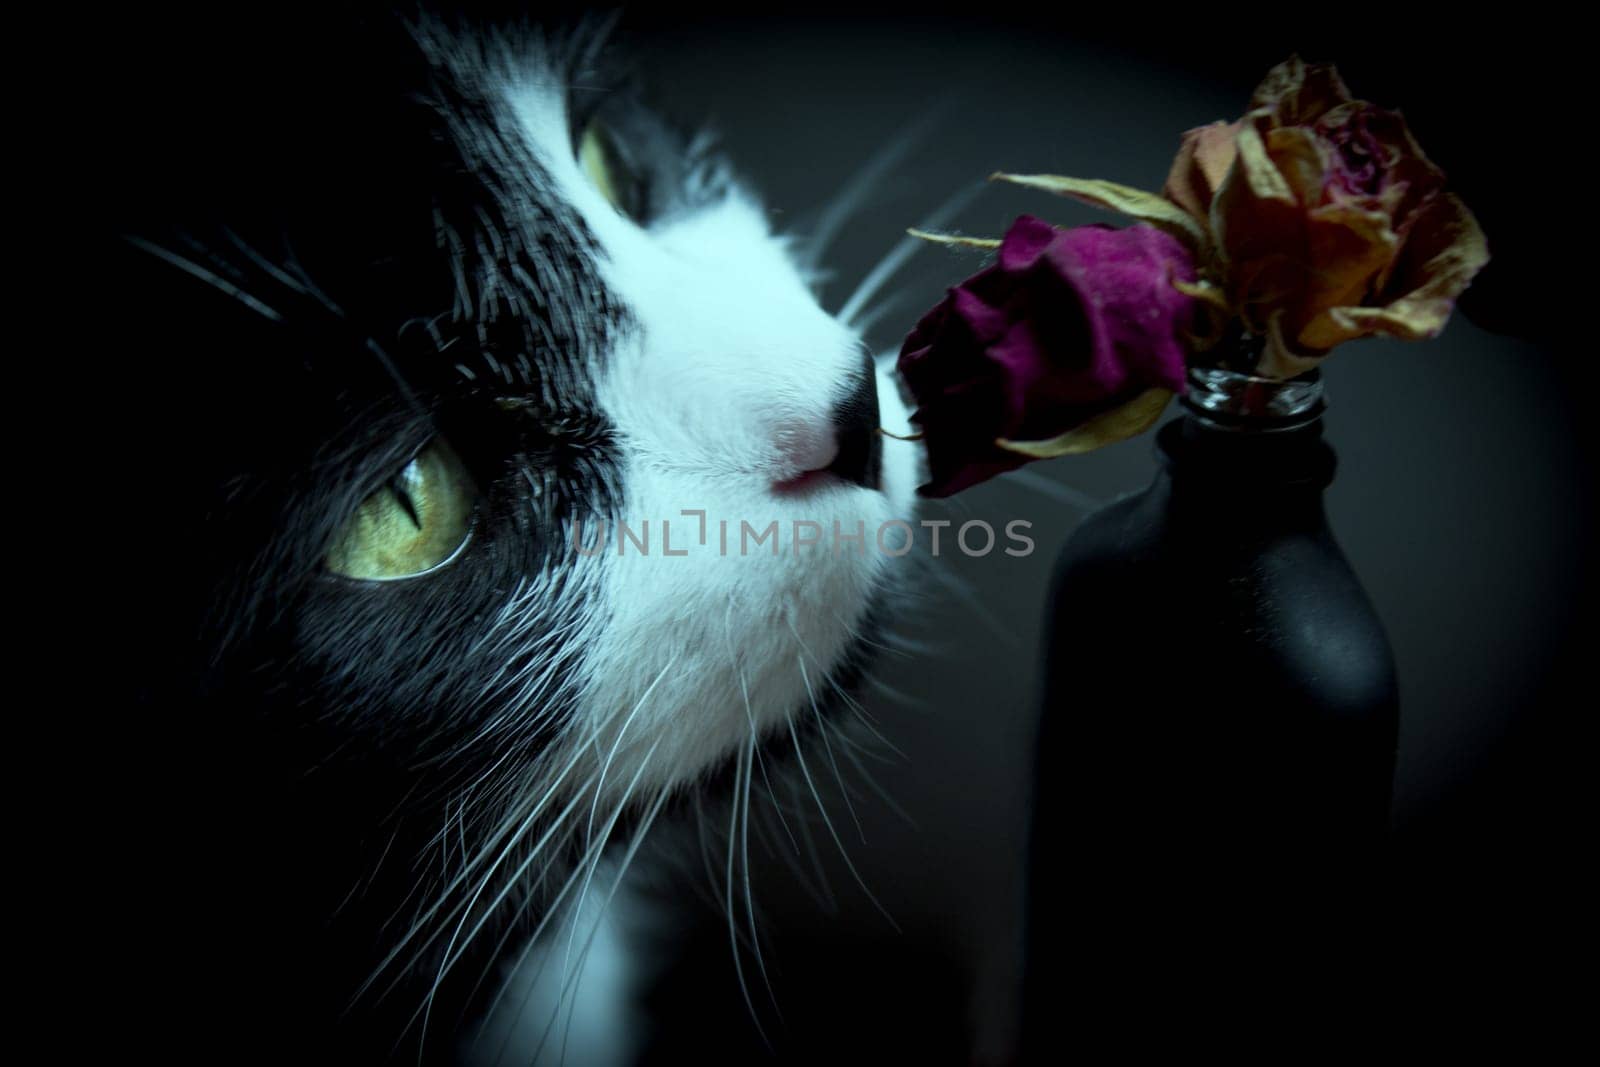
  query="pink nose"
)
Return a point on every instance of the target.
[{"x": 804, "y": 446}]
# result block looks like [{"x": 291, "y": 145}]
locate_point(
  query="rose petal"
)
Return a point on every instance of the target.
[
  {"x": 1349, "y": 247},
  {"x": 1277, "y": 360},
  {"x": 1206, "y": 293},
  {"x": 1202, "y": 162},
  {"x": 1444, "y": 250},
  {"x": 1067, "y": 327},
  {"x": 1135, "y": 203},
  {"x": 1299, "y": 160},
  {"x": 1260, "y": 233},
  {"x": 1259, "y": 172},
  {"x": 1298, "y": 93},
  {"x": 1118, "y": 424}
]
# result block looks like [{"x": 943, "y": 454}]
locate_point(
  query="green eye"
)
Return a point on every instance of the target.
[
  {"x": 419, "y": 521},
  {"x": 597, "y": 155}
]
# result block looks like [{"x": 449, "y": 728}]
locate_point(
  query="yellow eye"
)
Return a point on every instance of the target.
[
  {"x": 416, "y": 523},
  {"x": 597, "y": 155}
]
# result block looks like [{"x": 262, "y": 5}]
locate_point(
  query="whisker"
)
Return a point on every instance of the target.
[
  {"x": 272, "y": 270},
  {"x": 853, "y": 194},
  {"x": 742, "y": 783},
  {"x": 822, "y": 731},
  {"x": 516, "y": 835},
  {"x": 871, "y": 318},
  {"x": 448, "y": 960},
  {"x": 962, "y": 590},
  {"x": 599, "y": 787},
  {"x": 823, "y": 900},
  {"x": 901, "y": 650},
  {"x": 877, "y": 787},
  {"x": 585, "y": 867},
  {"x": 553, "y": 909},
  {"x": 216, "y": 281},
  {"x": 576, "y": 977},
  {"x": 622, "y": 805},
  {"x": 750, "y": 717},
  {"x": 904, "y": 249},
  {"x": 867, "y": 721},
  {"x": 828, "y": 822},
  {"x": 749, "y": 896}
]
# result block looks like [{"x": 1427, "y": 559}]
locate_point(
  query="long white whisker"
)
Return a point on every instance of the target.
[
  {"x": 741, "y": 784},
  {"x": 853, "y": 194},
  {"x": 867, "y": 722},
  {"x": 877, "y": 787},
  {"x": 450, "y": 956},
  {"x": 843, "y": 854},
  {"x": 822, "y": 731},
  {"x": 553, "y": 910},
  {"x": 958, "y": 587},
  {"x": 488, "y": 875},
  {"x": 830, "y": 902},
  {"x": 871, "y": 318},
  {"x": 211, "y": 278},
  {"x": 576, "y": 977},
  {"x": 611, "y": 755},
  {"x": 444, "y": 895},
  {"x": 749, "y": 897},
  {"x": 622, "y": 805},
  {"x": 750, "y": 717},
  {"x": 903, "y": 250},
  {"x": 272, "y": 270},
  {"x": 850, "y": 702},
  {"x": 804, "y": 879}
]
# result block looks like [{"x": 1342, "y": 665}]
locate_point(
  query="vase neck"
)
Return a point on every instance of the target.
[
  {"x": 1225, "y": 463},
  {"x": 1245, "y": 439}
]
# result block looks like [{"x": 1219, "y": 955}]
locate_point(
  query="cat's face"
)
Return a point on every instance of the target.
[
  {"x": 726, "y": 388},
  {"x": 437, "y": 320}
]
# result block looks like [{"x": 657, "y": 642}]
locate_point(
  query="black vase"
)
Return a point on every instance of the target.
[{"x": 1218, "y": 731}]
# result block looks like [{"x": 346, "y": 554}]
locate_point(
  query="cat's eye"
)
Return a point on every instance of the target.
[
  {"x": 420, "y": 520},
  {"x": 604, "y": 166}
]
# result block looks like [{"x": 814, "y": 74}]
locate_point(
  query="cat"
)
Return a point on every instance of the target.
[{"x": 449, "y": 384}]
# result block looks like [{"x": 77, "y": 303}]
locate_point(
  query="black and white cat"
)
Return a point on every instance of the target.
[{"x": 404, "y": 323}]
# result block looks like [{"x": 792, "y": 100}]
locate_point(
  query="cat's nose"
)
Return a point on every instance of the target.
[
  {"x": 855, "y": 425},
  {"x": 845, "y": 445}
]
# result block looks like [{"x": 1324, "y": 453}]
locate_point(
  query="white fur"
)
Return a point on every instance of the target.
[{"x": 725, "y": 388}]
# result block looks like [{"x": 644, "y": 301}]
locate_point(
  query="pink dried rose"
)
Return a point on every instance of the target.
[
  {"x": 1073, "y": 339},
  {"x": 1316, "y": 219}
]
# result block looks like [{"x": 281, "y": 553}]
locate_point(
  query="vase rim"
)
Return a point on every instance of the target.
[{"x": 1235, "y": 400}]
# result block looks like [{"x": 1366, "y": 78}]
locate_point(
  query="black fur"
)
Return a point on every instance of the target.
[{"x": 326, "y": 245}]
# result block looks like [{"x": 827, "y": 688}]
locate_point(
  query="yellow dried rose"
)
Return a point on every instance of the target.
[
  {"x": 1327, "y": 221},
  {"x": 1315, "y": 219}
]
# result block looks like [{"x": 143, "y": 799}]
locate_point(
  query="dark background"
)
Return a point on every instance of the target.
[{"x": 1463, "y": 499}]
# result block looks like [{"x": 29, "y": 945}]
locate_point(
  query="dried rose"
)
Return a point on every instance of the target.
[
  {"x": 1329, "y": 222},
  {"x": 1075, "y": 338},
  {"x": 1316, "y": 219},
  {"x": 1204, "y": 159}
]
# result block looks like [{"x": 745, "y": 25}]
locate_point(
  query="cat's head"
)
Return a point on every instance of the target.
[{"x": 432, "y": 333}]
